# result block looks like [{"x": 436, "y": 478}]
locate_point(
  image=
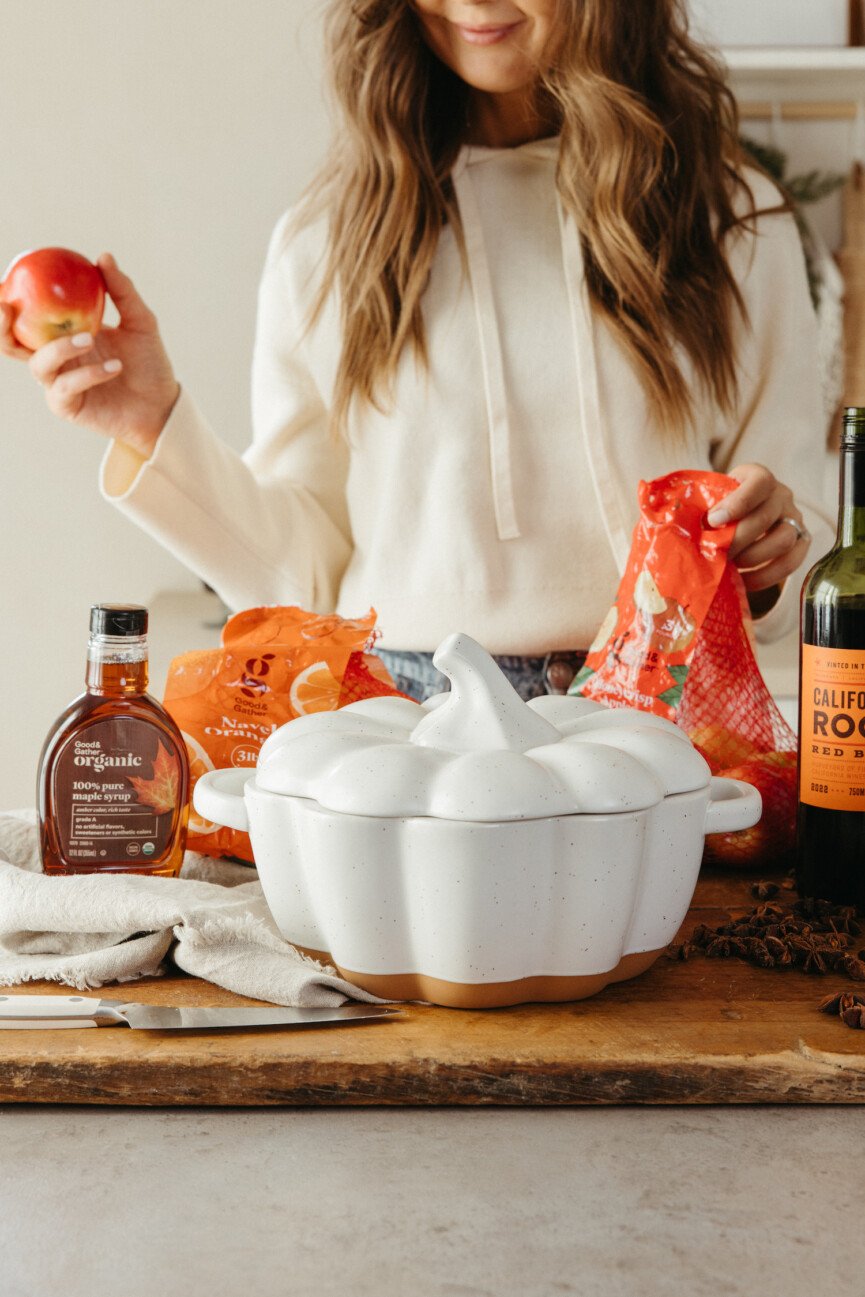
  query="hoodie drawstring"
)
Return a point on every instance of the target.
[
  {"x": 591, "y": 415},
  {"x": 498, "y": 416}
]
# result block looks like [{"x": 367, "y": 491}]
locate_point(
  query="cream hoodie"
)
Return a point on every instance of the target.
[{"x": 498, "y": 495}]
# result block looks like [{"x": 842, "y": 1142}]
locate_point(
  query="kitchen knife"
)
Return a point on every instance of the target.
[{"x": 17, "y": 1011}]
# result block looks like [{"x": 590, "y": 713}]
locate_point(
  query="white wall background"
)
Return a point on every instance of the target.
[
  {"x": 772, "y": 22},
  {"x": 172, "y": 134}
]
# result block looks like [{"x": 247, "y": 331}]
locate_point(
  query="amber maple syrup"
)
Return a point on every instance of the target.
[{"x": 114, "y": 773}]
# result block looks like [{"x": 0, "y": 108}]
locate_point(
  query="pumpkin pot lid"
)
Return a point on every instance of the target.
[{"x": 479, "y": 753}]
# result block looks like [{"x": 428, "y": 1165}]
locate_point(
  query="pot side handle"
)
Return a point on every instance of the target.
[
  {"x": 733, "y": 805},
  {"x": 218, "y": 796}
]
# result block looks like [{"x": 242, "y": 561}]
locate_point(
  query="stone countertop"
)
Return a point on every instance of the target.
[{"x": 604, "y": 1202}]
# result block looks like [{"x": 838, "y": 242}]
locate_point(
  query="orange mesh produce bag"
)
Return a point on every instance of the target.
[
  {"x": 678, "y": 642},
  {"x": 274, "y": 664}
]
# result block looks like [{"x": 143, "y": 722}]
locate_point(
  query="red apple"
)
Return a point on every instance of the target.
[
  {"x": 53, "y": 292},
  {"x": 769, "y": 844}
]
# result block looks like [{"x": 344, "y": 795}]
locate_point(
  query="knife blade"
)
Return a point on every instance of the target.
[{"x": 51, "y": 1011}]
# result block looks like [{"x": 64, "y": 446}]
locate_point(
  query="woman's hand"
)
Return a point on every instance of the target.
[
  {"x": 771, "y": 539},
  {"x": 119, "y": 383}
]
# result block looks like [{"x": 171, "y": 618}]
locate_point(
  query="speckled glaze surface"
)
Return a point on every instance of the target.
[{"x": 477, "y": 850}]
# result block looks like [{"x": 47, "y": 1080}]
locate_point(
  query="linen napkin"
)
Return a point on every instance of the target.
[{"x": 89, "y": 929}]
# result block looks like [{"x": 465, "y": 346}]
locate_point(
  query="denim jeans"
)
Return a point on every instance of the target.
[{"x": 415, "y": 675}]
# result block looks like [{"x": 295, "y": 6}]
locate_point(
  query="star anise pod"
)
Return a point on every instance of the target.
[
  {"x": 718, "y": 948},
  {"x": 854, "y": 968},
  {"x": 800, "y": 949},
  {"x": 840, "y": 1001},
  {"x": 777, "y": 949},
  {"x": 845, "y": 923},
  {"x": 702, "y": 934},
  {"x": 684, "y": 950},
  {"x": 814, "y": 963},
  {"x": 768, "y": 912},
  {"x": 764, "y": 891},
  {"x": 761, "y": 955}
]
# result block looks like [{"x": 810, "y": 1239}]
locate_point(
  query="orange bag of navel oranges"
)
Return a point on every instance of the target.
[
  {"x": 678, "y": 642},
  {"x": 274, "y": 664}
]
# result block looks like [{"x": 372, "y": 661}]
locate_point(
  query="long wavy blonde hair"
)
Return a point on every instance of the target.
[{"x": 649, "y": 165}]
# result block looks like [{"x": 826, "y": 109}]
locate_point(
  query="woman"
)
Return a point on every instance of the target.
[{"x": 534, "y": 270}]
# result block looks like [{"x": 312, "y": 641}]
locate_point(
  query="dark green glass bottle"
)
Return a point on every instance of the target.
[{"x": 831, "y": 819}]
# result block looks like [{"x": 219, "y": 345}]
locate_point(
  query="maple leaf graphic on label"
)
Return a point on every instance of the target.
[{"x": 159, "y": 792}]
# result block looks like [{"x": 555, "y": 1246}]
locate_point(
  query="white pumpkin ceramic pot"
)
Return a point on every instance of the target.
[{"x": 476, "y": 850}]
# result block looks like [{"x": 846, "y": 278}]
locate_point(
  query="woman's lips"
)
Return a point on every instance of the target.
[{"x": 487, "y": 35}]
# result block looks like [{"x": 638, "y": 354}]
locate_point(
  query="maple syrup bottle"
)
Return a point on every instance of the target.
[{"x": 114, "y": 774}]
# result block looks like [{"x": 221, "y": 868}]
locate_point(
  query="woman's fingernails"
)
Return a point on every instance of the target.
[
  {"x": 82, "y": 340},
  {"x": 113, "y": 366},
  {"x": 718, "y": 518}
]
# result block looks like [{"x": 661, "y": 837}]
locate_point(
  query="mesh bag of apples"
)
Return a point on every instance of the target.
[
  {"x": 678, "y": 642},
  {"x": 275, "y": 664}
]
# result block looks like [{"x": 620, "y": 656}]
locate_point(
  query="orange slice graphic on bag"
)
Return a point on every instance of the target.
[{"x": 315, "y": 689}]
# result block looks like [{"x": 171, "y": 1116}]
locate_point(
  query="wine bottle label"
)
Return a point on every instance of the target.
[
  {"x": 832, "y": 728},
  {"x": 116, "y": 788}
]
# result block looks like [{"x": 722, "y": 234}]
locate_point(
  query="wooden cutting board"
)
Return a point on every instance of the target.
[{"x": 703, "y": 1031}]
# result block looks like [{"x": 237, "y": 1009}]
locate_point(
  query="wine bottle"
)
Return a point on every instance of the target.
[{"x": 831, "y": 817}]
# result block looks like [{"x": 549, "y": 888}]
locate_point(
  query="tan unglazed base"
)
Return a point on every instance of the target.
[
  {"x": 321, "y": 956},
  {"x": 492, "y": 995}
]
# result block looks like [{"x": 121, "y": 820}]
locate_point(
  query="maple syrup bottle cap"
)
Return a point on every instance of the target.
[{"x": 118, "y": 619}]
